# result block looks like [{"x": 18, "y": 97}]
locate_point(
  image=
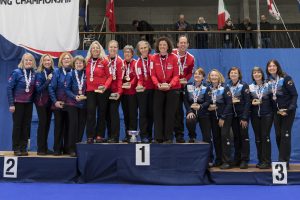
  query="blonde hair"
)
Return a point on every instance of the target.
[
  {"x": 101, "y": 54},
  {"x": 138, "y": 46},
  {"x": 41, "y": 66},
  {"x": 21, "y": 64},
  {"x": 80, "y": 58},
  {"x": 221, "y": 77},
  {"x": 62, "y": 56}
]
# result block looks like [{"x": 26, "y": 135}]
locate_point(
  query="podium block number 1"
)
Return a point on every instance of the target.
[
  {"x": 142, "y": 154},
  {"x": 10, "y": 167},
  {"x": 279, "y": 172}
]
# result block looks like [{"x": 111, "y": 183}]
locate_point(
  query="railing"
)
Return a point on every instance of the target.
[{"x": 197, "y": 39}]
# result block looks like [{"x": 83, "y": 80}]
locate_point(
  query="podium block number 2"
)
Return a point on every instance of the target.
[
  {"x": 10, "y": 167},
  {"x": 142, "y": 154},
  {"x": 279, "y": 172}
]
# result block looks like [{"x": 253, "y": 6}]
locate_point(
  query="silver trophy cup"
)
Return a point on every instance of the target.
[{"x": 133, "y": 135}]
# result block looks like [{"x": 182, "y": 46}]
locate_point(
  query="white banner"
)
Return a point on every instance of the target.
[{"x": 42, "y": 26}]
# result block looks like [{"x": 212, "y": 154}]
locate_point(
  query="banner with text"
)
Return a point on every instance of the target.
[{"x": 41, "y": 26}]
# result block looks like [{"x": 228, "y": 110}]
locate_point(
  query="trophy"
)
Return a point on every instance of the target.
[
  {"x": 235, "y": 100},
  {"x": 100, "y": 89},
  {"x": 183, "y": 81},
  {"x": 133, "y": 134},
  {"x": 256, "y": 102},
  {"x": 81, "y": 97},
  {"x": 165, "y": 86},
  {"x": 195, "y": 106},
  {"x": 113, "y": 96},
  {"x": 126, "y": 85},
  {"x": 140, "y": 88}
]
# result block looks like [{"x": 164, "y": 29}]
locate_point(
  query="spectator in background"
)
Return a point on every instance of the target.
[
  {"x": 201, "y": 38},
  {"x": 247, "y": 39},
  {"x": 182, "y": 25},
  {"x": 144, "y": 26},
  {"x": 228, "y": 37},
  {"x": 265, "y": 36}
]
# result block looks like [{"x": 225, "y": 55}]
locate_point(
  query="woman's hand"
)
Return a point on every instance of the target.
[{"x": 12, "y": 109}]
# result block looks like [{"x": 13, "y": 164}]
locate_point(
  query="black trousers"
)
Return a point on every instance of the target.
[
  {"x": 241, "y": 140},
  {"x": 283, "y": 129},
  {"x": 44, "y": 115},
  {"x": 179, "y": 118},
  {"x": 262, "y": 128},
  {"x": 21, "y": 125},
  {"x": 97, "y": 107},
  {"x": 77, "y": 122},
  {"x": 61, "y": 128},
  {"x": 145, "y": 105},
  {"x": 129, "y": 106},
  {"x": 164, "y": 106},
  {"x": 114, "y": 119},
  {"x": 221, "y": 138},
  {"x": 205, "y": 127}
]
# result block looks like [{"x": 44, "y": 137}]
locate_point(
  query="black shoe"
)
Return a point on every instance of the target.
[
  {"x": 225, "y": 166},
  {"x": 24, "y": 153},
  {"x": 180, "y": 140},
  {"x": 145, "y": 140},
  {"x": 41, "y": 153},
  {"x": 244, "y": 165},
  {"x": 265, "y": 166},
  {"x": 112, "y": 140},
  {"x": 258, "y": 164},
  {"x": 56, "y": 153},
  {"x": 235, "y": 163},
  {"x": 73, "y": 154},
  {"x": 217, "y": 164},
  {"x": 17, "y": 153},
  {"x": 126, "y": 140},
  {"x": 99, "y": 139},
  {"x": 168, "y": 142},
  {"x": 49, "y": 152},
  {"x": 192, "y": 140},
  {"x": 90, "y": 141},
  {"x": 158, "y": 141}
]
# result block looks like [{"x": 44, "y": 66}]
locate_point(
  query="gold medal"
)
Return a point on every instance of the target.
[
  {"x": 114, "y": 77},
  {"x": 80, "y": 92},
  {"x": 127, "y": 78}
]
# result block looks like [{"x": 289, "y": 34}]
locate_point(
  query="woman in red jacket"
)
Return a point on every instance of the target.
[
  {"x": 116, "y": 71},
  {"x": 145, "y": 90},
  {"x": 128, "y": 99},
  {"x": 165, "y": 76},
  {"x": 98, "y": 80}
]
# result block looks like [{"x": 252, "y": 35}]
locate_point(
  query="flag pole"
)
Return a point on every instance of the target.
[
  {"x": 103, "y": 22},
  {"x": 284, "y": 25},
  {"x": 258, "y": 25}
]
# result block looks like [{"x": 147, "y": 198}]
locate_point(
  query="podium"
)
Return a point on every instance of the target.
[{"x": 168, "y": 164}]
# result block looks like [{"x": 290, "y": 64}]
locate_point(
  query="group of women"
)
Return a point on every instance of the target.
[{"x": 86, "y": 93}]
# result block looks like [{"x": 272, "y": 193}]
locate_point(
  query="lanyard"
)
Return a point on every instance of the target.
[
  {"x": 27, "y": 79},
  {"x": 162, "y": 66}
]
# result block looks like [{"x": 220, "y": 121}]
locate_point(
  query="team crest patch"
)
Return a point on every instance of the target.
[
  {"x": 229, "y": 93},
  {"x": 209, "y": 93}
]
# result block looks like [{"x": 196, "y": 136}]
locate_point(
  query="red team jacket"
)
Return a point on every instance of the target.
[
  {"x": 101, "y": 75},
  {"x": 144, "y": 79},
  {"x": 187, "y": 62},
  {"x": 116, "y": 85},
  {"x": 165, "y": 70},
  {"x": 132, "y": 75}
]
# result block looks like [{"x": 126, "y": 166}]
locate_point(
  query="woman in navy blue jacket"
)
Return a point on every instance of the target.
[
  {"x": 196, "y": 102},
  {"x": 284, "y": 97},
  {"x": 241, "y": 106},
  {"x": 42, "y": 102},
  {"x": 261, "y": 117},
  {"x": 220, "y": 110},
  {"x": 58, "y": 97},
  {"x": 20, "y": 90},
  {"x": 76, "y": 103}
]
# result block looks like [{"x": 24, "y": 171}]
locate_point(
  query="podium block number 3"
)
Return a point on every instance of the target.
[
  {"x": 142, "y": 154},
  {"x": 279, "y": 172},
  {"x": 10, "y": 167}
]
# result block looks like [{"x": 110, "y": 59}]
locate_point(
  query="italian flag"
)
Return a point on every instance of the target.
[{"x": 223, "y": 14}]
